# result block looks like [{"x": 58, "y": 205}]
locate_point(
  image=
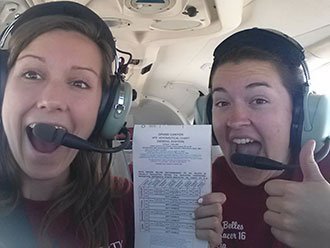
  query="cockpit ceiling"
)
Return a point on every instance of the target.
[
  {"x": 172, "y": 41},
  {"x": 144, "y": 21}
]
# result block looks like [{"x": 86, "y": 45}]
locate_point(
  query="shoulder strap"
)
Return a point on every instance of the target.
[{"x": 16, "y": 230}]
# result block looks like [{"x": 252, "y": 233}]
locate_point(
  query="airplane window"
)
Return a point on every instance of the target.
[{"x": 320, "y": 80}]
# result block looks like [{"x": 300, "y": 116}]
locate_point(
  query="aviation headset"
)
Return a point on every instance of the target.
[
  {"x": 311, "y": 112},
  {"x": 116, "y": 99}
]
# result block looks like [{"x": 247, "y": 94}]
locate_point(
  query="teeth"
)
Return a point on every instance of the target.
[
  {"x": 32, "y": 125},
  {"x": 242, "y": 141}
]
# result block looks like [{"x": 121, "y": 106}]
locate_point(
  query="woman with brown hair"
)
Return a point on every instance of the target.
[
  {"x": 268, "y": 125},
  {"x": 59, "y": 65}
]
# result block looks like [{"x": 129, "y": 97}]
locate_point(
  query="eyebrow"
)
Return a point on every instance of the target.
[
  {"x": 44, "y": 61},
  {"x": 32, "y": 56},
  {"x": 86, "y": 69},
  {"x": 249, "y": 86}
]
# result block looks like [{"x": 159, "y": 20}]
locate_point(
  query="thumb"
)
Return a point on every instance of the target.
[{"x": 308, "y": 166}]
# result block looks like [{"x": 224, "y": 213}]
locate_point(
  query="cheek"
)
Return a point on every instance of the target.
[
  {"x": 17, "y": 99},
  {"x": 85, "y": 113},
  {"x": 278, "y": 125},
  {"x": 12, "y": 109},
  {"x": 215, "y": 120},
  {"x": 12, "y": 114}
]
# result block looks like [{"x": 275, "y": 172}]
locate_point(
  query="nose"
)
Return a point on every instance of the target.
[
  {"x": 52, "y": 97},
  {"x": 238, "y": 116}
]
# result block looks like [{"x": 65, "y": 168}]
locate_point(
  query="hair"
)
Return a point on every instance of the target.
[
  {"x": 86, "y": 195},
  {"x": 292, "y": 76}
]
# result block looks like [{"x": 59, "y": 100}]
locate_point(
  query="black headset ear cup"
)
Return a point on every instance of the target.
[
  {"x": 316, "y": 123},
  {"x": 114, "y": 116},
  {"x": 296, "y": 125}
]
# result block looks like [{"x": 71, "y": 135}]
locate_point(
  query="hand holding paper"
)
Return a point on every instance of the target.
[{"x": 209, "y": 217}]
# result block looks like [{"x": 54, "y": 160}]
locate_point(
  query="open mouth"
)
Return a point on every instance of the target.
[
  {"x": 247, "y": 146},
  {"x": 38, "y": 144}
]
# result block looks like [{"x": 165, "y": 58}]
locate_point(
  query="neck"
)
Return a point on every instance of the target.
[{"x": 43, "y": 189}]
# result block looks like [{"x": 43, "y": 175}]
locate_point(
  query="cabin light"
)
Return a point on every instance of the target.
[
  {"x": 176, "y": 25},
  {"x": 149, "y": 6},
  {"x": 117, "y": 23},
  {"x": 149, "y": 1}
]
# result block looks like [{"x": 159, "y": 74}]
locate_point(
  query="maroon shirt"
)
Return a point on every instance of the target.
[
  {"x": 121, "y": 227},
  {"x": 245, "y": 206}
]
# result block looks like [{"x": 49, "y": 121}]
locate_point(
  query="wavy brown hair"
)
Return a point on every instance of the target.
[{"x": 88, "y": 197}]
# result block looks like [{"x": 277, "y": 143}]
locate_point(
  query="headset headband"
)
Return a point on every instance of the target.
[
  {"x": 277, "y": 43},
  {"x": 67, "y": 9}
]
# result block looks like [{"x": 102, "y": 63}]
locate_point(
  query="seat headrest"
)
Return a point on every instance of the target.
[{"x": 200, "y": 111}]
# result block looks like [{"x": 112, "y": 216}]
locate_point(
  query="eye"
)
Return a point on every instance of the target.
[
  {"x": 80, "y": 84},
  {"x": 259, "y": 101},
  {"x": 221, "y": 104},
  {"x": 32, "y": 75}
]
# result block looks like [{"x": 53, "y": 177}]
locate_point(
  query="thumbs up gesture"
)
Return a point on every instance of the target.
[{"x": 299, "y": 212}]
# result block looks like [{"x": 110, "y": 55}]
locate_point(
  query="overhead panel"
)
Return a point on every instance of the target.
[{"x": 147, "y": 7}]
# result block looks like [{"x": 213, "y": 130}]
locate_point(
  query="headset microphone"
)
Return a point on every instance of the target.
[
  {"x": 58, "y": 136},
  {"x": 269, "y": 164},
  {"x": 259, "y": 162}
]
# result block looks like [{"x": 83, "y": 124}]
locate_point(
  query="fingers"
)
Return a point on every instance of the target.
[
  {"x": 284, "y": 222},
  {"x": 211, "y": 223},
  {"x": 209, "y": 218},
  {"x": 282, "y": 204},
  {"x": 213, "y": 238},
  {"x": 274, "y": 204},
  {"x": 210, "y": 205},
  {"x": 209, "y": 229},
  {"x": 292, "y": 206},
  {"x": 214, "y": 197},
  {"x": 209, "y": 210},
  {"x": 283, "y": 236},
  {"x": 273, "y": 219},
  {"x": 276, "y": 187},
  {"x": 308, "y": 165}
]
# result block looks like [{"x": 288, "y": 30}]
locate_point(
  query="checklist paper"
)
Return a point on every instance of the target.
[{"x": 172, "y": 169}]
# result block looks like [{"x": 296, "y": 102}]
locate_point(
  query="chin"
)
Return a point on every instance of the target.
[{"x": 39, "y": 175}]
